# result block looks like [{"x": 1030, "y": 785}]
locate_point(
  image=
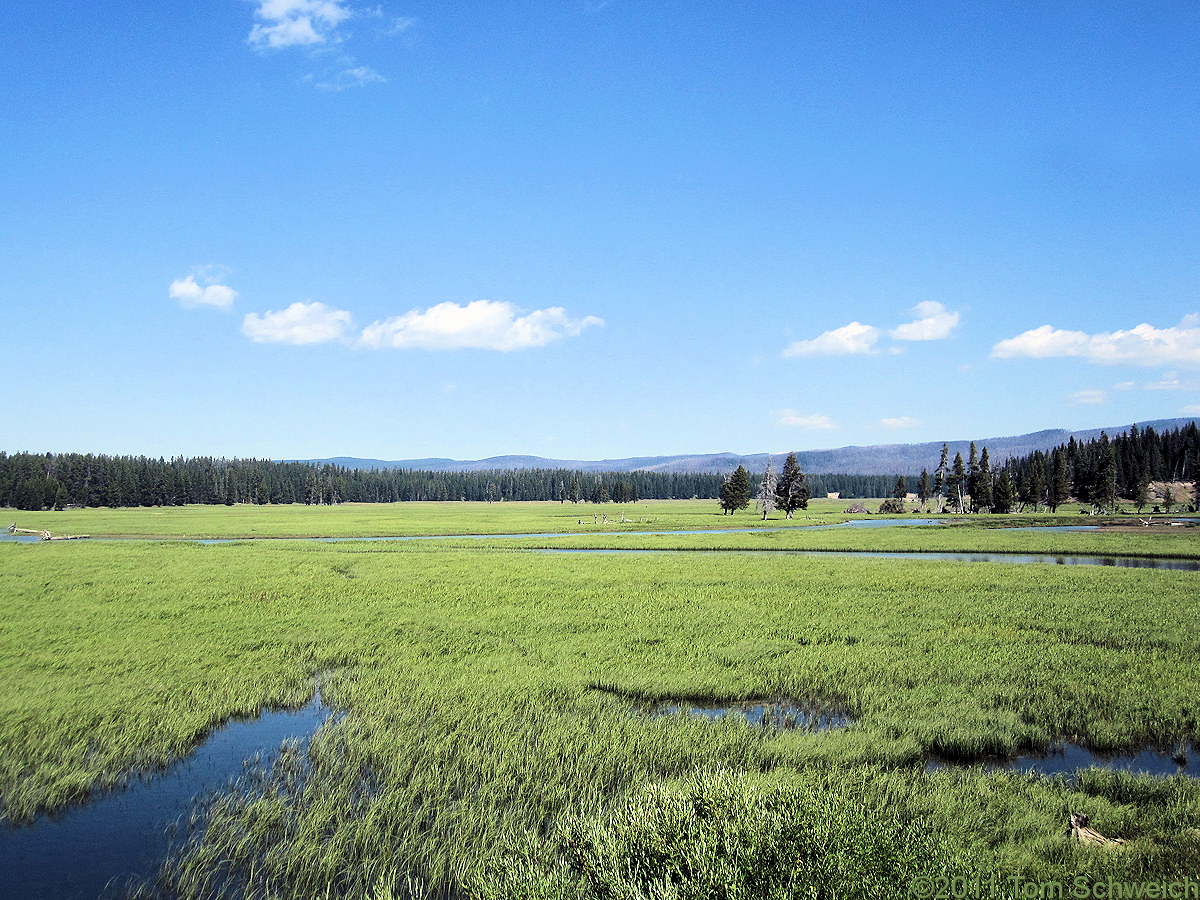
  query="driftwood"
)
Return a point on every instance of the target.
[
  {"x": 45, "y": 535},
  {"x": 858, "y": 508},
  {"x": 1085, "y": 834}
]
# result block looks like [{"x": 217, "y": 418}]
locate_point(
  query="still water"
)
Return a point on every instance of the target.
[{"x": 93, "y": 850}]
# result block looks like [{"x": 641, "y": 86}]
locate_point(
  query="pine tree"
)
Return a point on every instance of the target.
[
  {"x": 1002, "y": 497},
  {"x": 939, "y": 483},
  {"x": 900, "y": 491},
  {"x": 1036, "y": 485},
  {"x": 1142, "y": 495},
  {"x": 972, "y": 484},
  {"x": 981, "y": 490},
  {"x": 791, "y": 492},
  {"x": 1059, "y": 490},
  {"x": 1104, "y": 495},
  {"x": 924, "y": 488},
  {"x": 735, "y": 492}
]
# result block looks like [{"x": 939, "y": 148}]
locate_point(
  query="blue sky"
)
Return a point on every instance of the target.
[{"x": 305, "y": 228}]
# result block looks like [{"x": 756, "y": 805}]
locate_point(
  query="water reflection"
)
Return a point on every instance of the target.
[
  {"x": 780, "y": 714},
  {"x": 1066, "y": 758},
  {"x": 93, "y": 850}
]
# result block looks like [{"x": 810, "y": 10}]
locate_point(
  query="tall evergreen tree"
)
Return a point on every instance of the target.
[
  {"x": 791, "y": 491},
  {"x": 735, "y": 493},
  {"x": 1104, "y": 491},
  {"x": 981, "y": 490},
  {"x": 900, "y": 491},
  {"x": 1059, "y": 490},
  {"x": 1003, "y": 495},
  {"x": 1036, "y": 488},
  {"x": 924, "y": 488},
  {"x": 941, "y": 473}
]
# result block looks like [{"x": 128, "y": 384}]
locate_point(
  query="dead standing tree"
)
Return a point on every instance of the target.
[{"x": 766, "y": 490}]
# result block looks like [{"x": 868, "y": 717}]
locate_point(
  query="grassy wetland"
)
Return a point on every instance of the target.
[{"x": 493, "y": 743}]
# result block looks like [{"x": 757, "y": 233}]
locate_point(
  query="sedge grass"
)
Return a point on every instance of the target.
[
  {"x": 470, "y": 678},
  {"x": 432, "y": 518}
]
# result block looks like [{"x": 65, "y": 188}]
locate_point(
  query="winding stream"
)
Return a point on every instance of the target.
[{"x": 95, "y": 849}]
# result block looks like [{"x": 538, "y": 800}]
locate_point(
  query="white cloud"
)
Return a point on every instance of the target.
[
  {"x": 790, "y": 418},
  {"x": 847, "y": 340},
  {"x": 1143, "y": 345},
  {"x": 349, "y": 78},
  {"x": 933, "y": 323},
  {"x": 1123, "y": 386},
  {"x": 191, "y": 294},
  {"x": 900, "y": 422},
  {"x": 300, "y": 323},
  {"x": 1191, "y": 410},
  {"x": 480, "y": 325},
  {"x": 291, "y": 23},
  {"x": 1090, "y": 397}
]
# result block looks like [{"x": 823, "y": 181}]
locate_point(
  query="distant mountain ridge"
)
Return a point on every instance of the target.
[{"x": 880, "y": 459}]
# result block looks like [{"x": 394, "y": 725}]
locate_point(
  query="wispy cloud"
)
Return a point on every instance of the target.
[
  {"x": 933, "y": 323},
  {"x": 845, "y": 341},
  {"x": 900, "y": 422},
  {"x": 400, "y": 24},
  {"x": 191, "y": 294},
  {"x": 479, "y": 325},
  {"x": 317, "y": 26},
  {"x": 1170, "y": 381},
  {"x": 348, "y": 78},
  {"x": 1192, "y": 409},
  {"x": 792, "y": 419},
  {"x": 300, "y": 323},
  {"x": 292, "y": 23},
  {"x": 1143, "y": 345},
  {"x": 1089, "y": 397}
]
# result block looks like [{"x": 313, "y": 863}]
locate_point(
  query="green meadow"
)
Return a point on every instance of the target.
[
  {"x": 411, "y": 519},
  {"x": 493, "y": 742}
]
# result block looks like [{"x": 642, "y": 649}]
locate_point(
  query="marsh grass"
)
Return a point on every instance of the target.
[
  {"x": 474, "y": 728},
  {"x": 432, "y": 518}
]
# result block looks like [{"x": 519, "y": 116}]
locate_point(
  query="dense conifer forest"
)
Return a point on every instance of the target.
[
  {"x": 33, "y": 481},
  {"x": 1106, "y": 471}
]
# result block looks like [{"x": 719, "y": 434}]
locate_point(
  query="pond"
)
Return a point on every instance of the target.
[
  {"x": 778, "y": 714},
  {"x": 95, "y": 849},
  {"x": 1120, "y": 562},
  {"x": 1066, "y": 758}
]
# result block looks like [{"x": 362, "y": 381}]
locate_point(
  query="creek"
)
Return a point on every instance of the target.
[{"x": 96, "y": 849}]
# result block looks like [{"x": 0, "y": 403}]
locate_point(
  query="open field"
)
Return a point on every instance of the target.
[{"x": 491, "y": 726}]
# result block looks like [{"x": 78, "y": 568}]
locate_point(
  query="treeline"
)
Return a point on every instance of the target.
[
  {"x": 1105, "y": 471},
  {"x": 33, "y": 481}
]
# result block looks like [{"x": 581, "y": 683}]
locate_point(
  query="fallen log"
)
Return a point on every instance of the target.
[
  {"x": 46, "y": 535},
  {"x": 1085, "y": 834}
]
